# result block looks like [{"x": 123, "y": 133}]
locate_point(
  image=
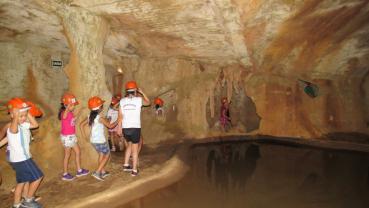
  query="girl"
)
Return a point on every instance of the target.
[
  {"x": 112, "y": 116},
  {"x": 97, "y": 138},
  {"x": 225, "y": 119},
  {"x": 68, "y": 136},
  {"x": 130, "y": 123}
]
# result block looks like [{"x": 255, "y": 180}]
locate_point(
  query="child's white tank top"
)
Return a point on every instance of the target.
[
  {"x": 18, "y": 144},
  {"x": 97, "y": 132}
]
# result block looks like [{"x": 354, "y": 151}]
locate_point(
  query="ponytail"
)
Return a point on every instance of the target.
[
  {"x": 61, "y": 111},
  {"x": 92, "y": 116}
]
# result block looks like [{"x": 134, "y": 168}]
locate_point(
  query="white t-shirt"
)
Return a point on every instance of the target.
[
  {"x": 18, "y": 144},
  {"x": 97, "y": 132},
  {"x": 112, "y": 114},
  {"x": 131, "y": 110}
]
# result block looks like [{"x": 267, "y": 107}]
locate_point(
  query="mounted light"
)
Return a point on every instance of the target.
[{"x": 119, "y": 70}]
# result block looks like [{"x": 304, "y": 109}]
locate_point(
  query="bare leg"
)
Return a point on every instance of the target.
[
  {"x": 33, "y": 188},
  {"x": 103, "y": 159},
  {"x": 120, "y": 142},
  {"x": 112, "y": 139},
  {"x": 127, "y": 152},
  {"x": 125, "y": 143},
  {"x": 18, "y": 193},
  {"x": 77, "y": 150},
  {"x": 25, "y": 189},
  {"x": 134, "y": 155},
  {"x": 67, "y": 151},
  {"x": 100, "y": 160},
  {"x": 140, "y": 144}
]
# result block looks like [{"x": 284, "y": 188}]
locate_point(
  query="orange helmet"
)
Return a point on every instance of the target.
[
  {"x": 159, "y": 101},
  {"x": 131, "y": 85},
  {"x": 69, "y": 98},
  {"x": 95, "y": 102},
  {"x": 36, "y": 112},
  {"x": 115, "y": 100},
  {"x": 18, "y": 103}
]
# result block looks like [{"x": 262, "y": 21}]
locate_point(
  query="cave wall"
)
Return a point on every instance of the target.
[
  {"x": 191, "y": 54},
  {"x": 26, "y": 72}
]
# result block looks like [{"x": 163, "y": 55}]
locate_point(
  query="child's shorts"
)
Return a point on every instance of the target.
[
  {"x": 26, "y": 171},
  {"x": 132, "y": 135},
  {"x": 102, "y": 148},
  {"x": 69, "y": 140}
]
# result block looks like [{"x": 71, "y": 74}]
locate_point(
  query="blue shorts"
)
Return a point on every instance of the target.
[
  {"x": 26, "y": 171},
  {"x": 102, "y": 148}
]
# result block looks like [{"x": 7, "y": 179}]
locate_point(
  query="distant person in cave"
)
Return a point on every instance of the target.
[
  {"x": 225, "y": 116},
  {"x": 159, "y": 103},
  {"x": 130, "y": 121}
]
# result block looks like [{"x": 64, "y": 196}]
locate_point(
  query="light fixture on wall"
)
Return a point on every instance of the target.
[
  {"x": 119, "y": 70},
  {"x": 312, "y": 90}
]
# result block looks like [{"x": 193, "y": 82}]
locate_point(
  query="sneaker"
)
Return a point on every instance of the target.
[
  {"x": 97, "y": 176},
  {"x": 30, "y": 204},
  {"x": 105, "y": 174},
  {"x": 68, "y": 177},
  {"x": 83, "y": 172},
  {"x": 37, "y": 198},
  {"x": 127, "y": 168},
  {"x": 134, "y": 173},
  {"x": 16, "y": 205}
]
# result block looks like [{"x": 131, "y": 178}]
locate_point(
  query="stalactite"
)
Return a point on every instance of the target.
[
  {"x": 212, "y": 103},
  {"x": 228, "y": 75}
]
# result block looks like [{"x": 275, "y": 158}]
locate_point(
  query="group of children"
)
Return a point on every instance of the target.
[
  {"x": 123, "y": 120},
  {"x": 128, "y": 107}
]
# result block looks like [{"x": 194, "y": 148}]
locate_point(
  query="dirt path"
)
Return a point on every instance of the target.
[{"x": 57, "y": 192}]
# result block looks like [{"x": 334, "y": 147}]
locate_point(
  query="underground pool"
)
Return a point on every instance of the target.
[{"x": 250, "y": 174}]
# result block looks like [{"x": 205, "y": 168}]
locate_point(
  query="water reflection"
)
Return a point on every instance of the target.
[
  {"x": 237, "y": 175},
  {"x": 226, "y": 167}
]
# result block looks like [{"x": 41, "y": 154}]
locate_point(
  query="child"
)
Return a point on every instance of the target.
[
  {"x": 225, "y": 119},
  {"x": 35, "y": 112},
  {"x": 97, "y": 138},
  {"x": 130, "y": 123},
  {"x": 19, "y": 137},
  {"x": 68, "y": 136},
  {"x": 159, "y": 106},
  {"x": 112, "y": 116}
]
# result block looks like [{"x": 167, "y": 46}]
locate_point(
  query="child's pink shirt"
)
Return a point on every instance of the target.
[{"x": 68, "y": 124}]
